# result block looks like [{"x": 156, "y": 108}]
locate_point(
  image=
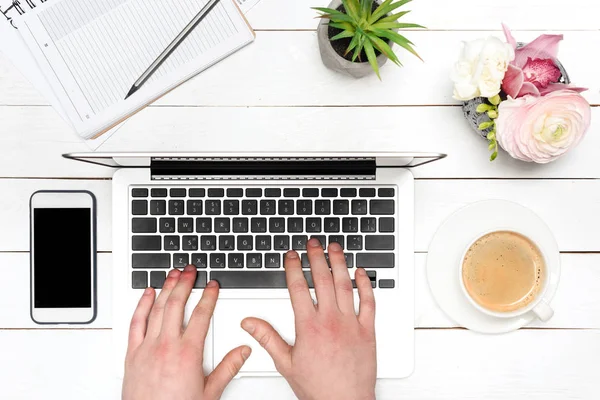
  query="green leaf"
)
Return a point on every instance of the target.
[
  {"x": 340, "y": 18},
  {"x": 353, "y": 44},
  {"x": 358, "y": 49},
  {"x": 491, "y": 135},
  {"x": 493, "y": 156},
  {"x": 352, "y": 8},
  {"x": 483, "y": 108},
  {"x": 492, "y": 146},
  {"x": 342, "y": 35},
  {"x": 493, "y": 114},
  {"x": 495, "y": 100},
  {"x": 372, "y": 57},
  {"x": 345, "y": 26},
  {"x": 326, "y": 10},
  {"x": 393, "y": 17},
  {"x": 384, "y": 48},
  {"x": 394, "y": 25},
  {"x": 386, "y": 8},
  {"x": 398, "y": 39},
  {"x": 485, "y": 125},
  {"x": 366, "y": 7}
]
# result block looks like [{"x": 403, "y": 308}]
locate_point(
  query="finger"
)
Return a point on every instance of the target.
[
  {"x": 139, "y": 321},
  {"x": 366, "y": 311},
  {"x": 156, "y": 315},
  {"x": 225, "y": 372},
  {"x": 271, "y": 341},
  {"x": 341, "y": 278},
  {"x": 297, "y": 286},
  {"x": 321, "y": 275},
  {"x": 175, "y": 306},
  {"x": 200, "y": 320}
]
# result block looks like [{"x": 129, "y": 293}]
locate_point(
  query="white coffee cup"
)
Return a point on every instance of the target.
[{"x": 539, "y": 306}]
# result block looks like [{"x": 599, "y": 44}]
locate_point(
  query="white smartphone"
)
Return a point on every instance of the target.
[{"x": 63, "y": 257}]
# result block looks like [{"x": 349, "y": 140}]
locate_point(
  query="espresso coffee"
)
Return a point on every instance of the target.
[{"x": 503, "y": 271}]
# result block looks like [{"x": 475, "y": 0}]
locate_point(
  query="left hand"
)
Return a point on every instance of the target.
[{"x": 163, "y": 360}]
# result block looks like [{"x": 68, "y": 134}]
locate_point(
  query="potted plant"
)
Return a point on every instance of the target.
[{"x": 356, "y": 36}]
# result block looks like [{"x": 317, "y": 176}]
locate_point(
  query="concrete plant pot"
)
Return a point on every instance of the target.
[{"x": 333, "y": 60}]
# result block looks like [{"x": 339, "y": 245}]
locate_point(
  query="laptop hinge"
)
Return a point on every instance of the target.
[{"x": 174, "y": 168}]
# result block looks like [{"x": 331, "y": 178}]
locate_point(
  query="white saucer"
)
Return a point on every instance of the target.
[{"x": 458, "y": 232}]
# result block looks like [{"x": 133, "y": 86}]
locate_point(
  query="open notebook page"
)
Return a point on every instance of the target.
[{"x": 93, "y": 50}]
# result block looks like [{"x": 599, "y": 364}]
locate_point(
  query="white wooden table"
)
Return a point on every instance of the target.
[{"x": 276, "y": 95}]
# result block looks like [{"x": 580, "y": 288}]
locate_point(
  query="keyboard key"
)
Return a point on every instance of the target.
[
  {"x": 158, "y": 192},
  {"x": 199, "y": 260},
  {"x": 180, "y": 260},
  {"x": 235, "y": 192},
  {"x": 139, "y": 193},
  {"x": 190, "y": 243},
  {"x": 171, "y": 243},
  {"x": 249, "y": 207},
  {"x": 200, "y": 282},
  {"x": 231, "y": 207},
  {"x": 354, "y": 242},
  {"x": 291, "y": 192},
  {"x": 139, "y": 207},
  {"x": 295, "y": 225},
  {"x": 253, "y": 192},
  {"x": 304, "y": 207},
  {"x": 194, "y": 207},
  {"x": 139, "y": 279},
  {"x": 216, "y": 192},
  {"x": 286, "y": 207},
  {"x": 250, "y": 279},
  {"x": 263, "y": 242},
  {"x": 321, "y": 239},
  {"x": 145, "y": 243},
  {"x": 226, "y": 243},
  {"x": 208, "y": 243},
  {"x": 375, "y": 260},
  {"x": 185, "y": 225},
  {"x": 387, "y": 283},
  {"x": 258, "y": 225},
  {"x": 386, "y": 192},
  {"x": 313, "y": 225},
  {"x": 203, "y": 225},
  {"x": 348, "y": 192},
  {"x": 276, "y": 225},
  {"x": 281, "y": 243},
  {"x": 235, "y": 260},
  {"x": 253, "y": 260},
  {"x": 310, "y": 192},
  {"x": 379, "y": 242},
  {"x": 329, "y": 192},
  {"x": 197, "y": 192},
  {"x": 158, "y": 207},
  {"x": 359, "y": 207},
  {"x": 349, "y": 260},
  {"x": 157, "y": 278},
  {"x": 166, "y": 225},
  {"x": 332, "y": 225},
  {"x": 322, "y": 207},
  {"x": 341, "y": 207},
  {"x": 267, "y": 207},
  {"x": 143, "y": 225},
  {"x": 212, "y": 207},
  {"x": 272, "y": 260},
  {"x": 240, "y": 225},
  {"x": 179, "y": 192},
  {"x": 222, "y": 225},
  {"x": 382, "y": 207},
  {"x": 299, "y": 242},
  {"x": 368, "y": 224},
  {"x": 272, "y": 192},
  {"x": 386, "y": 224},
  {"x": 338, "y": 239},
  {"x": 350, "y": 224},
  {"x": 366, "y": 192},
  {"x": 152, "y": 260},
  {"x": 244, "y": 242},
  {"x": 217, "y": 260}
]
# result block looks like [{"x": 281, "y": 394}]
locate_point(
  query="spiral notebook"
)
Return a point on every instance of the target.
[{"x": 91, "y": 51}]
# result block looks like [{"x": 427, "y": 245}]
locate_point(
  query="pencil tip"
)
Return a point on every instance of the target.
[{"x": 131, "y": 91}]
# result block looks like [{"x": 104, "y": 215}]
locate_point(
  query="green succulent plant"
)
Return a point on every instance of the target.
[{"x": 370, "y": 29}]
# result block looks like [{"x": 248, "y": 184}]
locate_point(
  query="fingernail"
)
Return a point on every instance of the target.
[
  {"x": 291, "y": 254},
  {"x": 246, "y": 351},
  {"x": 314, "y": 243},
  {"x": 248, "y": 327},
  {"x": 212, "y": 284},
  {"x": 147, "y": 291},
  {"x": 335, "y": 246},
  {"x": 189, "y": 268}
]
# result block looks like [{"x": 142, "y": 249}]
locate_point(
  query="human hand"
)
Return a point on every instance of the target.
[
  {"x": 163, "y": 360},
  {"x": 334, "y": 355}
]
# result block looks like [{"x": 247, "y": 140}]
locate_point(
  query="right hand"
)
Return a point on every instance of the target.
[{"x": 334, "y": 355}]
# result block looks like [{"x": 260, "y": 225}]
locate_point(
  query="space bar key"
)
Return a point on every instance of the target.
[{"x": 249, "y": 279}]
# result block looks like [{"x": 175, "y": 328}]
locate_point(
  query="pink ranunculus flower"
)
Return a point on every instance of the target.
[{"x": 541, "y": 129}]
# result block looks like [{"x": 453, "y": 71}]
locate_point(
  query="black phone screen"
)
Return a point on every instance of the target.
[{"x": 62, "y": 257}]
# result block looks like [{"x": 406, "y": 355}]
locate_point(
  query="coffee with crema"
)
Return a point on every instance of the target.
[{"x": 503, "y": 271}]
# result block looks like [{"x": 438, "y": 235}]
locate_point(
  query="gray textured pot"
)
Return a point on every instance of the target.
[{"x": 333, "y": 60}]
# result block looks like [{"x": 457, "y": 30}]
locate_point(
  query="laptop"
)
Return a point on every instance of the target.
[{"x": 234, "y": 216}]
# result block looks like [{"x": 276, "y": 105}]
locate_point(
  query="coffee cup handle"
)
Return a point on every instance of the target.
[{"x": 543, "y": 311}]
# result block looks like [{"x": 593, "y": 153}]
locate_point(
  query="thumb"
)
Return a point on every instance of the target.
[
  {"x": 227, "y": 369},
  {"x": 270, "y": 340}
]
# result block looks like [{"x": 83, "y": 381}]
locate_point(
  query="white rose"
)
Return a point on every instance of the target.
[{"x": 481, "y": 68}]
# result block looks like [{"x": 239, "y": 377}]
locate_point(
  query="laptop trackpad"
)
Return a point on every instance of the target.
[{"x": 228, "y": 334}]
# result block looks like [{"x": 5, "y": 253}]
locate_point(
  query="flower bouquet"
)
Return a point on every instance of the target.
[{"x": 520, "y": 97}]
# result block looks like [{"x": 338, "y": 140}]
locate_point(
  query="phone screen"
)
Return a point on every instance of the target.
[{"x": 62, "y": 257}]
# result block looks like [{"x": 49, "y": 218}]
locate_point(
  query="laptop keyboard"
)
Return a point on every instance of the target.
[{"x": 239, "y": 235}]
